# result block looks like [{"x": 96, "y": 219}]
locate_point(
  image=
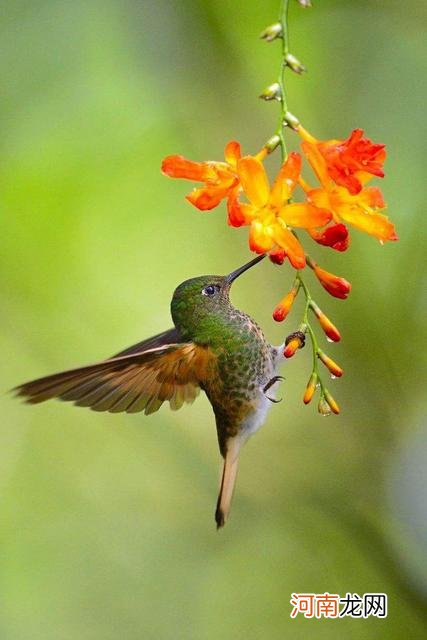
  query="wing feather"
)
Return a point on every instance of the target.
[{"x": 131, "y": 381}]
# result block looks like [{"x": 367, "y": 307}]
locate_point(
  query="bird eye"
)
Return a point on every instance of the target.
[{"x": 210, "y": 290}]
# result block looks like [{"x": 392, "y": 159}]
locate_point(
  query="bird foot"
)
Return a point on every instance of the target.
[{"x": 269, "y": 385}]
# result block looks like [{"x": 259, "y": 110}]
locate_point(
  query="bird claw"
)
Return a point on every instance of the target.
[
  {"x": 269, "y": 385},
  {"x": 275, "y": 400}
]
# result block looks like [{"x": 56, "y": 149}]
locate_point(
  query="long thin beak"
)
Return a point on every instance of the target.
[{"x": 238, "y": 272}]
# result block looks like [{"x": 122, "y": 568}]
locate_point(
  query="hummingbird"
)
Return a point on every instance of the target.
[{"x": 212, "y": 347}]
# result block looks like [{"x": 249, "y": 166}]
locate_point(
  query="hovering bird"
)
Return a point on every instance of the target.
[{"x": 212, "y": 346}]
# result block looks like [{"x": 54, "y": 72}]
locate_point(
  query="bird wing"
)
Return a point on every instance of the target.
[
  {"x": 171, "y": 336},
  {"x": 139, "y": 381}
]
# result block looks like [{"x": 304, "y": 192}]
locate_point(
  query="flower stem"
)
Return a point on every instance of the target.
[
  {"x": 287, "y": 119},
  {"x": 283, "y": 19},
  {"x": 306, "y": 321}
]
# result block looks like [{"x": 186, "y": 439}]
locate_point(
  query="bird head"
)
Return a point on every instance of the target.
[{"x": 198, "y": 302}]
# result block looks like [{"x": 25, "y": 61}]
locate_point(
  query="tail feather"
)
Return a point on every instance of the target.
[{"x": 228, "y": 481}]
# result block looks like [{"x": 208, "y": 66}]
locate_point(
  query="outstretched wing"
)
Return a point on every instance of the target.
[
  {"x": 136, "y": 381},
  {"x": 171, "y": 336}
]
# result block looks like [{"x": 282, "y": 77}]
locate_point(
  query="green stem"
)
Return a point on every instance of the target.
[
  {"x": 283, "y": 19},
  {"x": 284, "y": 114},
  {"x": 306, "y": 323}
]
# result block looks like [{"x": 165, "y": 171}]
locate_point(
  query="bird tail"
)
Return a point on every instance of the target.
[{"x": 228, "y": 480}]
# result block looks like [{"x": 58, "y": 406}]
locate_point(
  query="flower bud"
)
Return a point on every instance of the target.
[
  {"x": 327, "y": 326},
  {"x": 293, "y": 342},
  {"x": 272, "y": 143},
  {"x": 305, "y": 3},
  {"x": 272, "y": 92},
  {"x": 272, "y": 32},
  {"x": 331, "y": 402},
  {"x": 283, "y": 308},
  {"x": 291, "y": 348},
  {"x": 310, "y": 388},
  {"x": 291, "y": 121},
  {"x": 334, "y": 285},
  {"x": 335, "y": 236},
  {"x": 277, "y": 255},
  {"x": 293, "y": 63},
  {"x": 330, "y": 364}
]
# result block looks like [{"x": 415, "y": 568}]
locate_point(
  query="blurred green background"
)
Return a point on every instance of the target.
[{"x": 107, "y": 520}]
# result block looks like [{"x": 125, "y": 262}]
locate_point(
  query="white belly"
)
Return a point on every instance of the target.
[{"x": 256, "y": 419}]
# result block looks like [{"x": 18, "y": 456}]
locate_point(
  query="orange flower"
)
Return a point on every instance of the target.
[
  {"x": 335, "y": 236},
  {"x": 284, "y": 306},
  {"x": 331, "y": 402},
  {"x": 336, "y": 286},
  {"x": 352, "y": 162},
  {"x": 220, "y": 178},
  {"x": 310, "y": 388},
  {"x": 360, "y": 210},
  {"x": 293, "y": 342},
  {"x": 292, "y": 346},
  {"x": 269, "y": 213},
  {"x": 328, "y": 327},
  {"x": 333, "y": 367}
]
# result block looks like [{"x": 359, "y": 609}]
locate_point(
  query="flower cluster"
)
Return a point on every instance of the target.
[
  {"x": 276, "y": 212},
  {"x": 342, "y": 167}
]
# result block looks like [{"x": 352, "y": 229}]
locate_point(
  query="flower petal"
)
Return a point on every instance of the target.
[
  {"x": 179, "y": 167},
  {"x": 336, "y": 236},
  {"x": 206, "y": 198},
  {"x": 305, "y": 215},
  {"x": 277, "y": 255},
  {"x": 286, "y": 180},
  {"x": 286, "y": 239},
  {"x": 320, "y": 198},
  {"x": 232, "y": 153},
  {"x": 317, "y": 162},
  {"x": 376, "y": 224},
  {"x": 239, "y": 213},
  {"x": 260, "y": 239},
  {"x": 254, "y": 180},
  {"x": 354, "y": 161},
  {"x": 372, "y": 197}
]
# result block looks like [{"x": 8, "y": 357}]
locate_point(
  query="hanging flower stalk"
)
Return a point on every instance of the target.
[{"x": 274, "y": 217}]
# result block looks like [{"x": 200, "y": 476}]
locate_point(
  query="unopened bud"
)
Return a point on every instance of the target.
[
  {"x": 284, "y": 306},
  {"x": 272, "y": 143},
  {"x": 272, "y": 32},
  {"x": 277, "y": 255},
  {"x": 330, "y": 364},
  {"x": 328, "y": 327},
  {"x": 305, "y": 3},
  {"x": 272, "y": 92},
  {"x": 293, "y": 342},
  {"x": 291, "y": 121},
  {"x": 335, "y": 236},
  {"x": 293, "y": 63},
  {"x": 334, "y": 285},
  {"x": 310, "y": 388},
  {"x": 331, "y": 402}
]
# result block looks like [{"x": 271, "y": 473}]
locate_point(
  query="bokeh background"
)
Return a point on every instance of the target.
[{"x": 107, "y": 520}]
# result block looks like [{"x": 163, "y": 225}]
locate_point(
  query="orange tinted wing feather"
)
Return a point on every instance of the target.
[{"x": 136, "y": 382}]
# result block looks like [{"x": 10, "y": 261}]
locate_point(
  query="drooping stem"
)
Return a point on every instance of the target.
[{"x": 287, "y": 119}]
